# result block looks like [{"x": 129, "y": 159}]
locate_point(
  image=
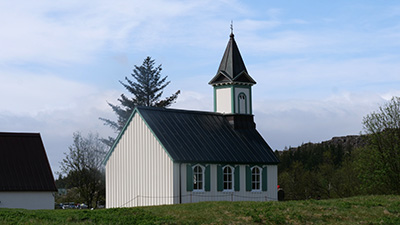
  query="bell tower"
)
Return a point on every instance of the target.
[{"x": 232, "y": 83}]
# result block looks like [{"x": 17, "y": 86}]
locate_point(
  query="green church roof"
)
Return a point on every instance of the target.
[{"x": 203, "y": 137}]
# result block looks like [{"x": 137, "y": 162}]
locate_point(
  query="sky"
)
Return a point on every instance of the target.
[{"x": 320, "y": 66}]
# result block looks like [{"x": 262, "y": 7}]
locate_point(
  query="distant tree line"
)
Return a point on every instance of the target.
[
  {"x": 335, "y": 169},
  {"x": 323, "y": 170}
]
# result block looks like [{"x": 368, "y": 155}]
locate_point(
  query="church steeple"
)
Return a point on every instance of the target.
[
  {"x": 231, "y": 69},
  {"x": 232, "y": 83}
]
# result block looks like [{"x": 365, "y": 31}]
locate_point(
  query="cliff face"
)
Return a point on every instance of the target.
[{"x": 351, "y": 140}]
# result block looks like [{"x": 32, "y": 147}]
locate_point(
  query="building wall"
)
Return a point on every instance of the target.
[
  {"x": 246, "y": 91},
  {"x": 213, "y": 195},
  {"x": 139, "y": 172},
  {"x": 27, "y": 200},
  {"x": 223, "y": 100},
  {"x": 227, "y": 99}
]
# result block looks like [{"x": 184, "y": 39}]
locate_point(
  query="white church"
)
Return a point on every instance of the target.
[{"x": 172, "y": 156}]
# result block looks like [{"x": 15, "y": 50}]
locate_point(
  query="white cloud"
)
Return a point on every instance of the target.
[
  {"x": 34, "y": 33},
  {"x": 52, "y": 99},
  {"x": 72, "y": 31},
  {"x": 54, "y": 107},
  {"x": 292, "y": 122},
  {"x": 320, "y": 78},
  {"x": 31, "y": 94},
  {"x": 192, "y": 100},
  {"x": 315, "y": 79},
  {"x": 41, "y": 39}
]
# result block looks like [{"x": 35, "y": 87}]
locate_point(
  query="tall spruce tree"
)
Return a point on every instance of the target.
[{"x": 146, "y": 88}]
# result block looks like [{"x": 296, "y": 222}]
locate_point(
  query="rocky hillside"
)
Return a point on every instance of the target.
[{"x": 349, "y": 141}]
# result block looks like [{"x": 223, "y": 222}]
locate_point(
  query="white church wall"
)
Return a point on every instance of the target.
[
  {"x": 242, "y": 195},
  {"x": 139, "y": 172},
  {"x": 223, "y": 100},
  {"x": 27, "y": 199},
  {"x": 272, "y": 182}
]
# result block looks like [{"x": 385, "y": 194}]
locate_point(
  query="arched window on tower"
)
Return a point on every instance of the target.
[{"x": 242, "y": 103}]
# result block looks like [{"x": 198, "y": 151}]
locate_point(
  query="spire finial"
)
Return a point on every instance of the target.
[{"x": 231, "y": 29}]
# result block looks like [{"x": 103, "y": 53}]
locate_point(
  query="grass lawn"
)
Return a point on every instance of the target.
[{"x": 355, "y": 210}]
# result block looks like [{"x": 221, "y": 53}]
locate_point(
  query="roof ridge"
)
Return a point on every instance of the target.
[
  {"x": 18, "y": 134},
  {"x": 178, "y": 110}
]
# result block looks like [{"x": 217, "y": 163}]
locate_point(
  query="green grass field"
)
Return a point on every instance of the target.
[{"x": 356, "y": 210}]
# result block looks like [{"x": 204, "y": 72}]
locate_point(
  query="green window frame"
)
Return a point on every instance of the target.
[
  {"x": 197, "y": 177},
  {"x": 235, "y": 178},
  {"x": 256, "y": 178},
  {"x": 264, "y": 179}
]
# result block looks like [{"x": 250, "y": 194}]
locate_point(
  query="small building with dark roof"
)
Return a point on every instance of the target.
[
  {"x": 26, "y": 179},
  {"x": 172, "y": 156}
]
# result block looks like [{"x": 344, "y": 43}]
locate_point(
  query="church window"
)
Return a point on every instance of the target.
[
  {"x": 256, "y": 178},
  {"x": 198, "y": 178},
  {"x": 228, "y": 178},
  {"x": 242, "y": 103}
]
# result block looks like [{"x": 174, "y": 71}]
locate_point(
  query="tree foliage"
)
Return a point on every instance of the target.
[
  {"x": 323, "y": 170},
  {"x": 146, "y": 88},
  {"x": 370, "y": 165},
  {"x": 379, "y": 161},
  {"x": 83, "y": 167}
]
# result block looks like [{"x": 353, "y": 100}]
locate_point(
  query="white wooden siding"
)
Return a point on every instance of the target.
[
  {"x": 139, "y": 172},
  {"x": 213, "y": 195},
  {"x": 27, "y": 199},
  {"x": 224, "y": 100}
]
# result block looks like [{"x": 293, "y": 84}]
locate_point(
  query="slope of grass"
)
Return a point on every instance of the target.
[{"x": 356, "y": 210}]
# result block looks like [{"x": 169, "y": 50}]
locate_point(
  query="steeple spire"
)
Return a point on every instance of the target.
[
  {"x": 232, "y": 69},
  {"x": 232, "y": 84}
]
